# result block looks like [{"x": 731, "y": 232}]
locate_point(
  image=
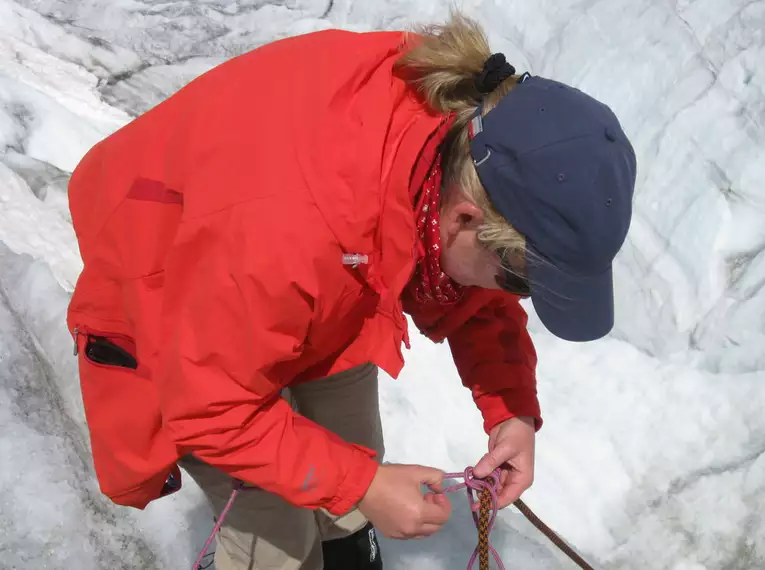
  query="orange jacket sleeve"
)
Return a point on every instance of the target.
[
  {"x": 237, "y": 317},
  {"x": 492, "y": 350}
]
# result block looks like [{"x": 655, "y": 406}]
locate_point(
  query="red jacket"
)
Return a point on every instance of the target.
[{"x": 212, "y": 230}]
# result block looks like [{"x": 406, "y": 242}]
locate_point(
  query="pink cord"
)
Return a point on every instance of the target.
[
  {"x": 237, "y": 487},
  {"x": 470, "y": 483}
]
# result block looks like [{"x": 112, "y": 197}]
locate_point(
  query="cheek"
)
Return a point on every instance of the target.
[
  {"x": 455, "y": 264},
  {"x": 486, "y": 272},
  {"x": 449, "y": 261},
  {"x": 468, "y": 263}
]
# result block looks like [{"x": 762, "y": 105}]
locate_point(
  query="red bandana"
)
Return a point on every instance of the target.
[{"x": 430, "y": 282}]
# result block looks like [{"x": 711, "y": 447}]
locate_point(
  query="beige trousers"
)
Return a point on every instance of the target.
[{"x": 262, "y": 531}]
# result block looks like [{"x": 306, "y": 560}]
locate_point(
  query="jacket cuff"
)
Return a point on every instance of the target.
[
  {"x": 501, "y": 406},
  {"x": 356, "y": 482}
]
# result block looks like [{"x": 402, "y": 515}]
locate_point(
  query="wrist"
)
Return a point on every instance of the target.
[{"x": 531, "y": 421}]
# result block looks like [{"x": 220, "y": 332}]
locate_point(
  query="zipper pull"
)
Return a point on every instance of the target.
[{"x": 76, "y": 336}]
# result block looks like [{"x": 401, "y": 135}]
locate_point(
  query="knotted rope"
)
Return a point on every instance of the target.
[{"x": 486, "y": 490}]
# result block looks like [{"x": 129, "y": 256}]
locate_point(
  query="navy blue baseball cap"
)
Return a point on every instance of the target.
[{"x": 557, "y": 166}]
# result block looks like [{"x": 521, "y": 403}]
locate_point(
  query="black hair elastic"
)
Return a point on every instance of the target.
[{"x": 495, "y": 70}]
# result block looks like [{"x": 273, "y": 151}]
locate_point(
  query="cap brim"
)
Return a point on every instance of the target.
[{"x": 574, "y": 308}]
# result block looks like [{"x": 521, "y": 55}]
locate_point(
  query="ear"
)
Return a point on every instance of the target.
[{"x": 460, "y": 214}]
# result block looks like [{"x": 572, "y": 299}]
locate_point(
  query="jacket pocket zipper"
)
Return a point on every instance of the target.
[{"x": 101, "y": 349}]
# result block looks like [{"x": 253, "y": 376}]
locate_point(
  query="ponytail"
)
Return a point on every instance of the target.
[
  {"x": 445, "y": 62},
  {"x": 446, "y": 65}
]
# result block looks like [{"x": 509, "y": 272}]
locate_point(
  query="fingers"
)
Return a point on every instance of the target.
[
  {"x": 433, "y": 513},
  {"x": 434, "y": 516},
  {"x": 436, "y": 507},
  {"x": 426, "y": 531},
  {"x": 435, "y": 510},
  {"x": 433, "y": 478},
  {"x": 437, "y": 498},
  {"x": 396, "y": 505},
  {"x": 517, "y": 483},
  {"x": 429, "y": 530},
  {"x": 488, "y": 463}
]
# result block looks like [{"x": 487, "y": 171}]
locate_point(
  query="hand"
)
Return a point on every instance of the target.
[
  {"x": 511, "y": 448},
  {"x": 395, "y": 505}
]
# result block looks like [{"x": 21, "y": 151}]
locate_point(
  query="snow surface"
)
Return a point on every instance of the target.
[{"x": 653, "y": 450}]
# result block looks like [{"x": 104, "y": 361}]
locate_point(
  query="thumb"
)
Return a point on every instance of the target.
[
  {"x": 487, "y": 464},
  {"x": 433, "y": 478}
]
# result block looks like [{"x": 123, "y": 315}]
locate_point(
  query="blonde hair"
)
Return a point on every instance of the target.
[{"x": 442, "y": 65}]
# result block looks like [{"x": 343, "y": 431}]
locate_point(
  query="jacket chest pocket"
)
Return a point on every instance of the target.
[{"x": 106, "y": 352}]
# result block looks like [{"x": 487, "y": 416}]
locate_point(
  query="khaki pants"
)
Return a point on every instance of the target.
[{"x": 262, "y": 531}]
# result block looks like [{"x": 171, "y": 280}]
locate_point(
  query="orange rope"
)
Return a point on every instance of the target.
[{"x": 483, "y": 530}]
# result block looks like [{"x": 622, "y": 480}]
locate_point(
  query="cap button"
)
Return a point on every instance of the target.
[{"x": 610, "y": 134}]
